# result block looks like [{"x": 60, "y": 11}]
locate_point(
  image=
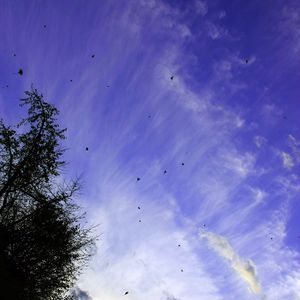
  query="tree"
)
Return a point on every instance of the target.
[{"x": 43, "y": 246}]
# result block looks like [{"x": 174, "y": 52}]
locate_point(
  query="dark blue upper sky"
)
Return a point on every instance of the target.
[{"x": 207, "y": 91}]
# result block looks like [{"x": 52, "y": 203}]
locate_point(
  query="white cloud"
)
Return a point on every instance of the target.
[
  {"x": 201, "y": 7},
  {"x": 241, "y": 164},
  {"x": 184, "y": 31},
  {"x": 278, "y": 264},
  {"x": 222, "y": 14},
  {"x": 226, "y": 70},
  {"x": 288, "y": 287},
  {"x": 215, "y": 31},
  {"x": 295, "y": 146},
  {"x": 259, "y": 141},
  {"x": 259, "y": 195},
  {"x": 144, "y": 258},
  {"x": 169, "y": 19},
  {"x": 223, "y": 70},
  {"x": 271, "y": 112},
  {"x": 289, "y": 28},
  {"x": 287, "y": 160},
  {"x": 293, "y": 140},
  {"x": 244, "y": 268},
  {"x": 289, "y": 184},
  {"x": 216, "y": 116}
]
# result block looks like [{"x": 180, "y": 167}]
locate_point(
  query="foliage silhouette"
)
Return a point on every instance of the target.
[{"x": 43, "y": 246}]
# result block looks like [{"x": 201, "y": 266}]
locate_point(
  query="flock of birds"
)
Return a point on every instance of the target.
[{"x": 21, "y": 72}]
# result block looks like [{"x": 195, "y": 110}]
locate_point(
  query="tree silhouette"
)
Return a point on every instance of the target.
[{"x": 43, "y": 246}]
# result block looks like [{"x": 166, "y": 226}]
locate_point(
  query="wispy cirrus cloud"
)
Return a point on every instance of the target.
[
  {"x": 294, "y": 144},
  {"x": 138, "y": 122}
]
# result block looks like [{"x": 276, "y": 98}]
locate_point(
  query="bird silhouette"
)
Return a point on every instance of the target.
[
  {"x": 71, "y": 80},
  {"x": 14, "y": 54},
  {"x": 165, "y": 171},
  {"x": 181, "y": 270},
  {"x": 86, "y": 148},
  {"x": 138, "y": 179},
  {"x": 126, "y": 293},
  {"x": 93, "y": 55},
  {"x": 45, "y": 26},
  {"x": 172, "y": 77},
  {"x": 20, "y": 72},
  {"x": 139, "y": 207},
  {"x": 246, "y": 61},
  {"x": 182, "y": 164},
  {"x": 140, "y": 221},
  {"x": 179, "y": 245}
]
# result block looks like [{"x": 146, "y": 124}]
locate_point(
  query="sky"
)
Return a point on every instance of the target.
[{"x": 199, "y": 100}]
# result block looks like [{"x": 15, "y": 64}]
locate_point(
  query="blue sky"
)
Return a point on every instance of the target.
[{"x": 233, "y": 207}]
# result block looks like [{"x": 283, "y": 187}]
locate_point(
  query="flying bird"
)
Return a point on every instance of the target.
[
  {"x": 181, "y": 270},
  {"x": 138, "y": 179},
  {"x": 93, "y": 55},
  {"x": 179, "y": 245},
  {"x": 246, "y": 61},
  {"x": 140, "y": 221},
  {"x": 182, "y": 164},
  {"x": 139, "y": 207},
  {"x": 71, "y": 80},
  {"x": 20, "y": 72},
  {"x": 172, "y": 77},
  {"x": 86, "y": 148},
  {"x": 45, "y": 26},
  {"x": 14, "y": 54},
  {"x": 126, "y": 293},
  {"x": 165, "y": 171}
]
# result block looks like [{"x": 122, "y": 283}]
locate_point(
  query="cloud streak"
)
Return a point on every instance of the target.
[{"x": 245, "y": 269}]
